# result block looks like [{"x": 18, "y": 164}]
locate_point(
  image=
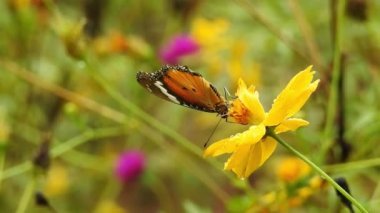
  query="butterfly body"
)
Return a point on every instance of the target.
[{"x": 185, "y": 87}]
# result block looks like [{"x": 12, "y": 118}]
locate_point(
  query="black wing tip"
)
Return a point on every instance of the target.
[
  {"x": 175, "y": 67},
  {"x": 182, "y": 68},
  {"x": 164, "y": 69},
  {"x": 143, "y": 76},
  {"x": 139, "y": 75}
]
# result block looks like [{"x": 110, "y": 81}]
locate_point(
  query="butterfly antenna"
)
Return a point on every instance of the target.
[
  {"x": 228, "y": 94},
  {"x": 212, "y": 133}
]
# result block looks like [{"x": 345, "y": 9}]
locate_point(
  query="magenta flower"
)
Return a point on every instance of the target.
[
  {"x": 178, "y": 47},
  {"x": 130, "y": 165}
]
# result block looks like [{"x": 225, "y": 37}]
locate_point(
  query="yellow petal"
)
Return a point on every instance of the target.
[
  {"x": 224, "y": 146},
  {"x": 250, "y": 99},
  {"x": 228, "y": 145},
  {"x": 252, "y": 135},
  {"x": 290, "y": 124},
  {"x": 241, "y": 87},
  {"x": 301, "y": 79},
  {"x": 292, "y": 98},
  {"x": 301, "y": 99},
  {"x": 252, "y": 102},
  {"x": 247, "y": 158},
  {"x": 239, "y": 112},
  {"x": 239, "y": 160},
  {"x": 268, "y": 146}
]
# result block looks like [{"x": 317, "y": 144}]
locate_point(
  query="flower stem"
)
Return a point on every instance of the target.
[
  {"x": 271, "y": 133},
  {"x": 338, "y": 22},
  {"x": 354, "y": 165},
  {"x": 64, "y": 147},
  {"x": 2, "y": 162},
  {"x": 26, "y": 196}
]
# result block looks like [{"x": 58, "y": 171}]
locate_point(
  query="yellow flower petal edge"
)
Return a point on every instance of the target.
[
  {"x": 228, "y": 145},
  {"x": 290, "y": 124},
  {"x": 224, "y": 146},
  {"x": 301, "y": 99},
  {"x": 248, "y": 158},
  {"x": 301, "y": 79},
  {"x": 242, "y": 88},
  {"x": 250, "y": 100},
  {"x": 292, "y": 98},
  {"x": 252, "y": 135},
  {"x": 243, "y": 157},
  {"x": 269, "y": 144}
]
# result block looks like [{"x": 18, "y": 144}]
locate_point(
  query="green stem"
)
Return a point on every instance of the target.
[
  {"x": 26, "y": 196},
  {"x": 62, "y": 148},
  {"x": 254, "y": 11},
  {"x": 2, "y": 162},
  {"x": 271, "y": 133},
  {"x": 333, "y": 93},
  {"x": 355, "y": 165},
  {"x": 159, "y": 187}
]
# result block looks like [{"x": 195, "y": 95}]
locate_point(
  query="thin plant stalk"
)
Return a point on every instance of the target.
[
  {"x": 333, "y": 93},
  {"x": 353, "y": 165},
  {"x": 307, "y": 33},
  {"x": 62, "y": 148},
  {"x": 323, "y": 174},
  {"x": 253, "y": 11},
  {"x": 26, "y": 196},
  {"x": 2, "y": 162}
]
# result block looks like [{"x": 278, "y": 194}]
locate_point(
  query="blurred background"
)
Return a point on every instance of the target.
[{"x": 79, "y": 134}]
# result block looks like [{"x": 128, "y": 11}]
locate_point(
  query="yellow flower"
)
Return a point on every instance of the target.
[
  {"x": 212, "y": 38},
  {"x": 116, "y": 42},
  {"x": 250, "y": 149},
  {"x": 106, "y": 206},
  {"x": 237, "y": 68},
  {"x": 19, "y": 4},
  {"x": 57, "y": 182},
  {"x": 316, "y": 182},
  {"x": 209, "y": 32},
  {"x": 292, "y": 169},
  {"x": 305, "y": 192}
]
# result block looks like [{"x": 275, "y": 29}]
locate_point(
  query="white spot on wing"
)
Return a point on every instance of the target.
[
  {"x": 165, "y": 92},
  {"x": 148, "y": 87}
]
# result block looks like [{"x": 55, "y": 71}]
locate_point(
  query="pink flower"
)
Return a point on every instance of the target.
[
  {"x": 178, "y": 47},
  {"x": 130, "y": 165}
]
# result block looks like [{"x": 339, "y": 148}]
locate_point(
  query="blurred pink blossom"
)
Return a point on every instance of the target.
[
  {"x": 178, "y": 46},
  {"x": 130, "y": 165}
]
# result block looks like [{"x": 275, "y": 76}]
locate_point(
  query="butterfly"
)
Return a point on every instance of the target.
[{"x": 182, "y": 86}]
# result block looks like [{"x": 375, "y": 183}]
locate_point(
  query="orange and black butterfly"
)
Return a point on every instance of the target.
[{"x": 185, "y": 87}]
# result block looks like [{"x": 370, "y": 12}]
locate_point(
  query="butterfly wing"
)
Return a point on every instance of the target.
[
  {"x": 180, "y": 85},
  {"x": 192, "y": 89},
  {"x": 150, "y": 82}
]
